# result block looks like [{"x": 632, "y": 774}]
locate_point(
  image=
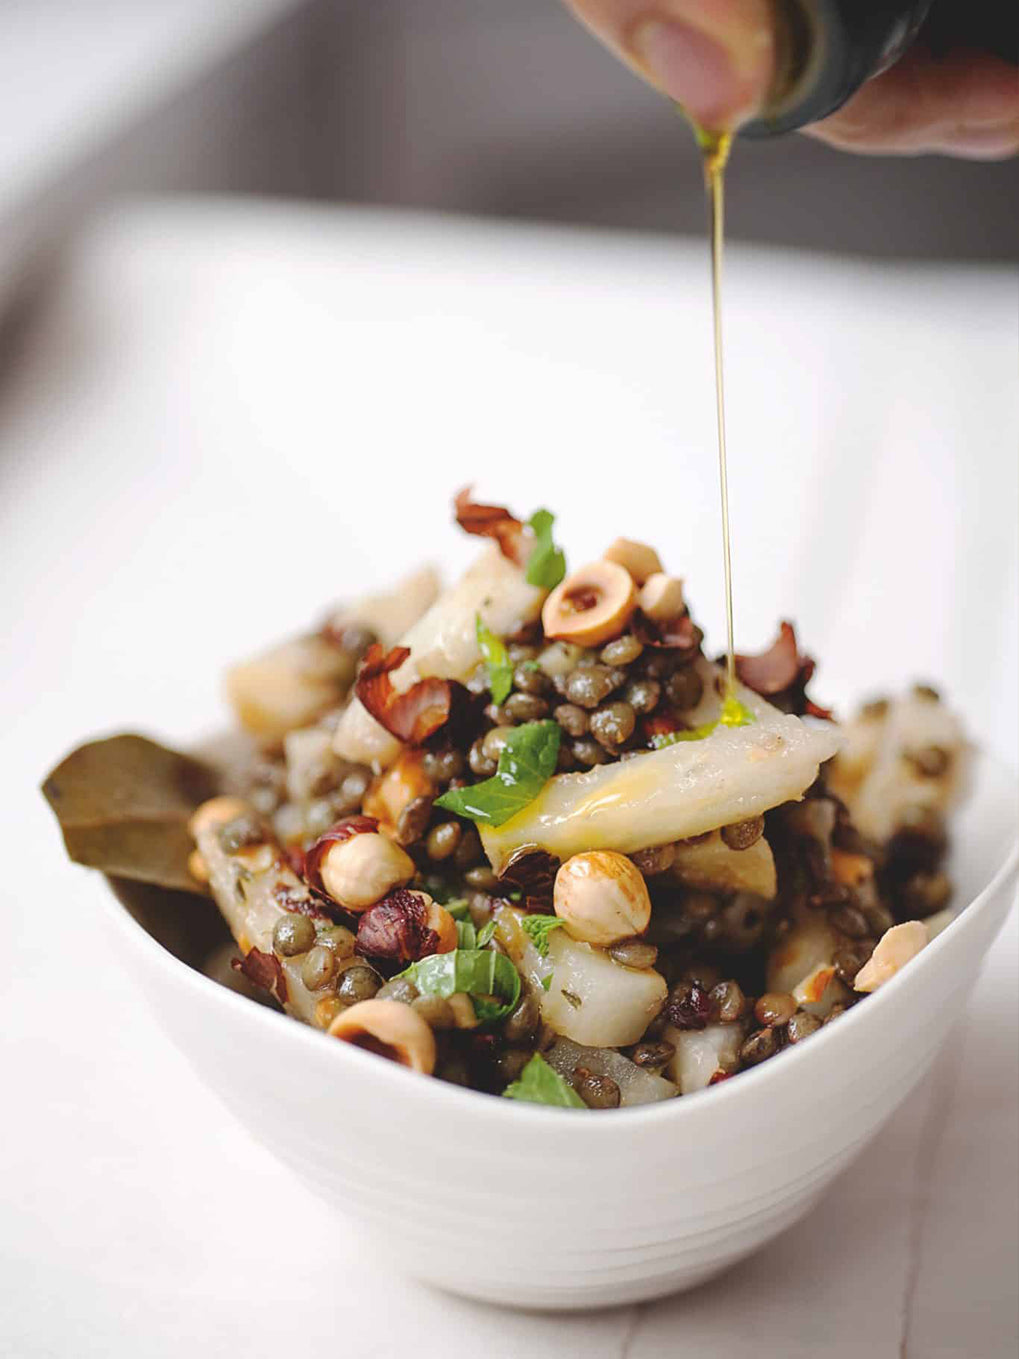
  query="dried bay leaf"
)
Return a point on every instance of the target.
[{"x": 123, "y": 805}]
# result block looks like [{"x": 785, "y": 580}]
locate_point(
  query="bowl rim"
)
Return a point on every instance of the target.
[{"x": 467, "y": 1100}]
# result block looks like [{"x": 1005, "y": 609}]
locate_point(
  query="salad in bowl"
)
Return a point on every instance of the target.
[{"x": 526, "y": 836}]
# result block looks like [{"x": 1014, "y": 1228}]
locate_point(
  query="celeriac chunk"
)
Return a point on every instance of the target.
[
  {"x": 670, "y": 794},
  {"x": 711, "y": 866},
  {"x": 444, "y": 643},
  {"x": 589, "y": 997}
]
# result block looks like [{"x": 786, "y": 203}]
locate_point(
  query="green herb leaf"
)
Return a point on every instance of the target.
[
  {"x": 540, "y": 1084},
  {"x": 496, "y": 657},
  {"x": 482, "y": 973},
  {"x": 466, "y": 934},
  {"x": 538, "y": 928},
  {"x": 486, "y": 934},
  {"x": 526, "y": 763},
  {"x": 546, "y": 982},
  {"x": 546, "y": 565}
]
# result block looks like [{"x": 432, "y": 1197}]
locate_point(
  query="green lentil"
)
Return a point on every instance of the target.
[
  {"x": 612, "y": 726},
  {"x": 524, "y": 707},
  {"x": 742, "y": 834},
  {"x": 597, "y": 1092},
  {"x": 359, "y": 982},
  {"x": 293, "y": 934},
  {"x": 622, "y": 651},
  {"x": 318, "y": 968},
  {"x": 634, "y": 953},
  {"x": 443, "y": 840},
  {"x": 573, "y": 720},
  {"x": 685, "y": 688},
  {"x": 774, "y": 1009},
  {"x": 339, "y": 939},
  {"x": 801, "y": 1026},
  {"x": 643, "y": 695},
  {"x": 529, "y": 680},
  {"x": 588, "y": 752},
  {"x": 591, "y": 685}
]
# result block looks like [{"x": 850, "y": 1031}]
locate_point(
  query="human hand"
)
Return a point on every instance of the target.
[{"x": 717, "y": 59}]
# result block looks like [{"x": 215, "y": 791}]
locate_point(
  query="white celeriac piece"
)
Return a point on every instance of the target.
[{"x": 444, "y": 643}]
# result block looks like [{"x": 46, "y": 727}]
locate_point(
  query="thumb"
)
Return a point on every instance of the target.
[{"x": 714, "y": 57}]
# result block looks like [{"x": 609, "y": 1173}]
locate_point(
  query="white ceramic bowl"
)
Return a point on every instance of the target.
[{"x": 568, "y": 1210}]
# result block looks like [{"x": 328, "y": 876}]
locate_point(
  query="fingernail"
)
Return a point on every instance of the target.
[{"x": 715, "y": 86}]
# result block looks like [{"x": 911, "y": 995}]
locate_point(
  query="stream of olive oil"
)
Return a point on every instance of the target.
[{"x": 715, "y": 149}]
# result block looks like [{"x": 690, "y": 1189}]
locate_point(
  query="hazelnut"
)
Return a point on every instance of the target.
[
  {"x": 216, "y": 812},
  {"x": 197, "y": 866},
  {"x": 361, "y": 870},
  {"x": 389, "y": 1029},
  {"x": 405, "y": 926},
  {"x": 640, "y": 560},
  {"x": 893, "y": 951},
  {"x": 440, "y": 920},
  {"x": 601, "y": 898},
  {"x": 591, "y": 606},
  {"x": 661, "y": 597}
]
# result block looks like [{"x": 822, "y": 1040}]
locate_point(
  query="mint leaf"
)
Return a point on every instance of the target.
[
  {"x": 538, "y": 928},
  {"x": 496, "y": 658},
  {"x": 486, "y": 934},
  {"x": 539, "y": 1084},
  {"x": 482, "y": 973},
  {"x": 466, "y": 934},
  {"x": 546, "y": 565},
  {"x": 526, "y": 763}
]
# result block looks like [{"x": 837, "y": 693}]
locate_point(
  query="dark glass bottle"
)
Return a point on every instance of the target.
[{"x": 828, "y": 48}]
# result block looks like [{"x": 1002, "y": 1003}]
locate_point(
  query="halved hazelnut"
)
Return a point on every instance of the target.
[
  {"x": 661, "y": 597},
  {"x": 389, "y": 1029},
  {"x": 591, "y": 606},
  {"x": 640, "y": 560},
  {"x": 894, "y": 950}
]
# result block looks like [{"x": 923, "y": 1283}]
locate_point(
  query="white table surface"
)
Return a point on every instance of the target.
[{"x": 197, "y": 451}]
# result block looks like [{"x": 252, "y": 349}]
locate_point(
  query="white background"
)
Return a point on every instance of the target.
[{"x": 234, "y": 415}]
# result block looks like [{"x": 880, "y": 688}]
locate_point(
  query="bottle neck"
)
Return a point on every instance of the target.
[{"x": 826, "y": 49}]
